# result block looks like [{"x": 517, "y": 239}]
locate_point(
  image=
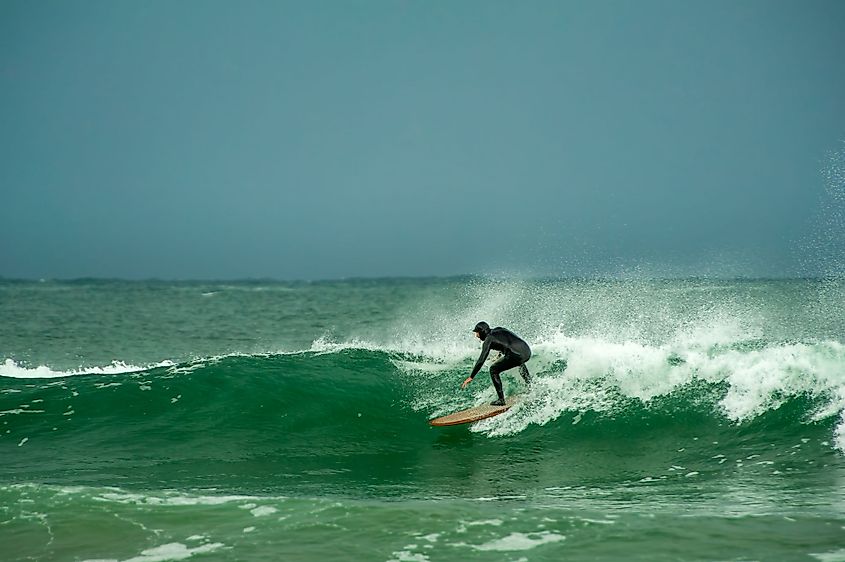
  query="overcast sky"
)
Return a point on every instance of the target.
[{"x": 305, "y": 140}]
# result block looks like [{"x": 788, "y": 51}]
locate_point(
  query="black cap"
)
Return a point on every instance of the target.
[{"x": 482, "y": 329}]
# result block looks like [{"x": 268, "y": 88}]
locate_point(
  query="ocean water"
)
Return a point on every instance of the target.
[{"x": 669, "y": 420}]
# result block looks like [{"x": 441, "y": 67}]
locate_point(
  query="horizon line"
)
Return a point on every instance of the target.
[{"x": 620, "y": 278}]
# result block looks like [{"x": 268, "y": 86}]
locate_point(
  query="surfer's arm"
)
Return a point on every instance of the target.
[{"x": 485, "y": 351}]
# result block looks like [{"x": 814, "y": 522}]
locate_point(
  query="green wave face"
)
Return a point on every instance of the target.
[{"x": 353, "y": 422}]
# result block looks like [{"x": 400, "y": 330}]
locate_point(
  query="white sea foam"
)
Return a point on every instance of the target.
[
  {"x": 580, "y": 374},
  {"x": 324, "y": 345},
  {"x": 166, "y": 499},
  {"x": 11, "y": 369},
  {"x": 839, "y": 434},
  {"x": 20, "y": 411},
  {"x": 166, "y": 552},
  {"x": 832, "y": 556},
  {"x": 520, "y": 541},
  {"x": 408, "y": 556},
  {"x": 263, "y": 510}
]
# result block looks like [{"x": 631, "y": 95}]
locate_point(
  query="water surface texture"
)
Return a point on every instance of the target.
[{"x": 669, "y": 420}]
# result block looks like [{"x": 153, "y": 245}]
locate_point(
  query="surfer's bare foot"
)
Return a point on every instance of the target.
[{"x": 498, "y": 402}]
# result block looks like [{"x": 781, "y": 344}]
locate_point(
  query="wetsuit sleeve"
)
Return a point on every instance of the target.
[{"x": 485, "y": 351}]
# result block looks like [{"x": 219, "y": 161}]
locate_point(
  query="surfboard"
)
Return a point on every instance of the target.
[{"x": 474, "y": 414}]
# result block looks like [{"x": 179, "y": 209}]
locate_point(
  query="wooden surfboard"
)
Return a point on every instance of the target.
[{"x": 474, "y": 414}]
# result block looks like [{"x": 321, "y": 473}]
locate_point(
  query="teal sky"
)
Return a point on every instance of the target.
[{"x": 304, "y": 140}]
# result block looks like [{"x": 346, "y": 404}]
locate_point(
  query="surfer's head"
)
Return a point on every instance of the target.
[{"x": 481, "y": 330}]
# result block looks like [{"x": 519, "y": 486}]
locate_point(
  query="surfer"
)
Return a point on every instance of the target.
[{"x": 514, "y": 353}]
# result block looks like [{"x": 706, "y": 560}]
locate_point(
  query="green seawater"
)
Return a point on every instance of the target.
[{"x": 669, "y": 420}]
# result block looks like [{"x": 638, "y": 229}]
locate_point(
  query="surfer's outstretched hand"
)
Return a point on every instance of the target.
[{"x": 466, "y": 382}]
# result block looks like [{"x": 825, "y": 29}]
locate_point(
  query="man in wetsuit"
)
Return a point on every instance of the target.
[{"x": 515, "y": 352}]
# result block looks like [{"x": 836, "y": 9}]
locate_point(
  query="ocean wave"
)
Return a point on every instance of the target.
[
  {"x": 730, "y": 379},
  {"x": 572, "y": 373},
  {"x": 319, "y": 420}
]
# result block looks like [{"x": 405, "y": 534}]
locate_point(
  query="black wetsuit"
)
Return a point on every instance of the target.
[{"x": 515, "y": 352}]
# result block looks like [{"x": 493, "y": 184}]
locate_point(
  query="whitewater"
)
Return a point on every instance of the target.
[{"x": 669, "y": 419}]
